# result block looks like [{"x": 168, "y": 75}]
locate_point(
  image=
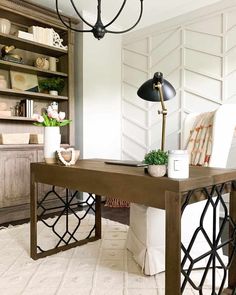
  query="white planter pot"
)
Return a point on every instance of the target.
[
  {"x": 5, "y": 26},
  {"x": 52, "y": 140},
  {"x": 157, "y": 170},
  {"x": 53, "y": 92}
]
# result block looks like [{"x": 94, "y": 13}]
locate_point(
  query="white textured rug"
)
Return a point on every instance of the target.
[{"x": 103, "y": 267}]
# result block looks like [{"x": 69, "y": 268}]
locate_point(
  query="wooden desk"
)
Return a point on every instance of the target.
[{"x": 132, "y": 184}]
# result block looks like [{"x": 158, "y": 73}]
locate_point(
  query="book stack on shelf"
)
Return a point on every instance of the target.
[
  {"x": 42, "y": 35},
  {"x": 27, "y": 108}
]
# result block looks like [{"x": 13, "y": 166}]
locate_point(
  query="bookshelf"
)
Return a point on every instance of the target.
[{"x": 15, "y": 159}]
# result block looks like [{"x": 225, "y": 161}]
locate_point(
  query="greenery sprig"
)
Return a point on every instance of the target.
[{"x": 156, "y": 157}]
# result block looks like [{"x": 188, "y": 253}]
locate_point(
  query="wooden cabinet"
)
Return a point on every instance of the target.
[
  {"x": 15, "y": 159},
  {"x": 15, "y": 172}
]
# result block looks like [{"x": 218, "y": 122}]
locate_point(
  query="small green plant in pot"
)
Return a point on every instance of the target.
[
  {"x": 52, "y": 84},
  {"x": 157, "y": 161}
]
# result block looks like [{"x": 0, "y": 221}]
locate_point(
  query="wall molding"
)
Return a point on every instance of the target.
[{"x": 197, "y": 54}]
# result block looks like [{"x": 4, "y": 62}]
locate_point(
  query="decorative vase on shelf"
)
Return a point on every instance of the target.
[
  {"x": 52, "y": 140},
  {"x": 5, "y": 26}
]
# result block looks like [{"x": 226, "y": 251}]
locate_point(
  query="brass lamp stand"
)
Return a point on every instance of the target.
[
  {"x": 158, "y": 86},
  {"x": 158, "y": 89}
]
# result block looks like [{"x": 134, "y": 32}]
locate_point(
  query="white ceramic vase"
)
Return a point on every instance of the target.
[
  {"x": 5, "y": 26},
  {"x": 52, "y": 140}
]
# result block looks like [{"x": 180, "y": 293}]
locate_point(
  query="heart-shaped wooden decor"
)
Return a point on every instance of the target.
[{"x": 68, "y": 156}]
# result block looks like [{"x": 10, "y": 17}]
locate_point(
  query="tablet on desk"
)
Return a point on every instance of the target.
[{"x": 126, "y": 163}]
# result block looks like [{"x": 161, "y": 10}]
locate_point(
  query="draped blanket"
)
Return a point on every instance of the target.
[{"x": 199, "y": 144}]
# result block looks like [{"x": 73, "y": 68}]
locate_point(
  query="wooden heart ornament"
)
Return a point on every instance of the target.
[{"x": 68, "y": 156}]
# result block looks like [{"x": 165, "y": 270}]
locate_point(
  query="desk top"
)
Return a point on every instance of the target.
[{"x": 127, "y": 183}]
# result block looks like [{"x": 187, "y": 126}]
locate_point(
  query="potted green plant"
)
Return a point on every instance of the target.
[
  {"x": 53, "y": 85},
  {"x": 157, "y": 161}
]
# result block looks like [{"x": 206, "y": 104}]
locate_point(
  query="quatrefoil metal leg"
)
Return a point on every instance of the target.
[
  {"x": 67, "y": 236},
  {"x": 214, "y": 199}
]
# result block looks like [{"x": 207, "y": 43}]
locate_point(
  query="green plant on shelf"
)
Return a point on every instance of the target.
[{"x": 55, "y": 83}]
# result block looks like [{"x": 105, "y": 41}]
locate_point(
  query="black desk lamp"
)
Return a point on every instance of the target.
[{"x": 158, "y": 89}]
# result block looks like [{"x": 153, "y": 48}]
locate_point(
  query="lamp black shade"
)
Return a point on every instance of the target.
[{"x": 148, "y": 91}]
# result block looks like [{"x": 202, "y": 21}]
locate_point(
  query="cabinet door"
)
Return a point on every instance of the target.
[{"x": 15, "y": 176}]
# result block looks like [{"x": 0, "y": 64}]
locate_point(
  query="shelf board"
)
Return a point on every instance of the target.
[
  {"x": 32, "y": 46},
  {"x": 12, "y": 92},
  {"x": 6, "y": 65},
  {"x": 15, "y": 118},
  {"x": 27, "y": 146}
]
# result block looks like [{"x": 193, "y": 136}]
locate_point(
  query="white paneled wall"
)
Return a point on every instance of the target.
[{"x": 198, "y": 57}]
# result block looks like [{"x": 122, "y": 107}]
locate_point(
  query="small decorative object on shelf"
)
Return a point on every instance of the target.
[
  {"x": 5, "y": 26},
  {"x": 18, "y": 110},
  {"x": 57, "y": 41},
  {"x": 53, "y": 63},
  {"x": 4, "y": 110},
  {"x": 41, "y": 63},
  {"x": 157, "y": 161},
  {"x": 68, "y": 156},
  {"x": 52, "y": 84},
  {"x": 54, "y": 106},
  {"x": 52, "y": 121},
  {"x": 53, "y": 92},
  {"x": 8, "y": 56}
]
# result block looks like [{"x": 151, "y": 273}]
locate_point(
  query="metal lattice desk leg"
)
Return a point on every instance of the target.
[
  {"x": 232, "y": 269},
  {"x": 98, "y": 217},
  {"x": 213, "y": 197},
  {"x": 70, "y": 237}
]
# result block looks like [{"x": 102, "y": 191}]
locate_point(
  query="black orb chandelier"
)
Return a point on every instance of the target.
[{"x": 99, "y": 29}]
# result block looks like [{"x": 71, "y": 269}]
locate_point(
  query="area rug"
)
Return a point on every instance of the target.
[{"x": 103, "y": 267}]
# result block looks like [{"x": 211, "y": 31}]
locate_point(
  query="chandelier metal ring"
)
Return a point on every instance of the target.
[{"x": 98, "y": 29}]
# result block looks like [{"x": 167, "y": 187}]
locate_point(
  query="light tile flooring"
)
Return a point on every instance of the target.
[{"x": 103, "y": 267}]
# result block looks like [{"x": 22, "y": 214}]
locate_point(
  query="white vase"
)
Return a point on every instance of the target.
[
  {"x": 5, "y": 26},
  {"x": 52, "y": 140}
]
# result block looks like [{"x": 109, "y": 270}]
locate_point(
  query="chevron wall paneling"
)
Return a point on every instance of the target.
[{"x": 198, "y": 57}]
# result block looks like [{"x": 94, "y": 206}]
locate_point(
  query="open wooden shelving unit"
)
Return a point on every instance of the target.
[{"x": 15, "y": 159}]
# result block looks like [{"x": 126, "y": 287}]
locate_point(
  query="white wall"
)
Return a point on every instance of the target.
[
  {"x": 197, "y": 53},
  {"x": 98, "y": 100}
]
